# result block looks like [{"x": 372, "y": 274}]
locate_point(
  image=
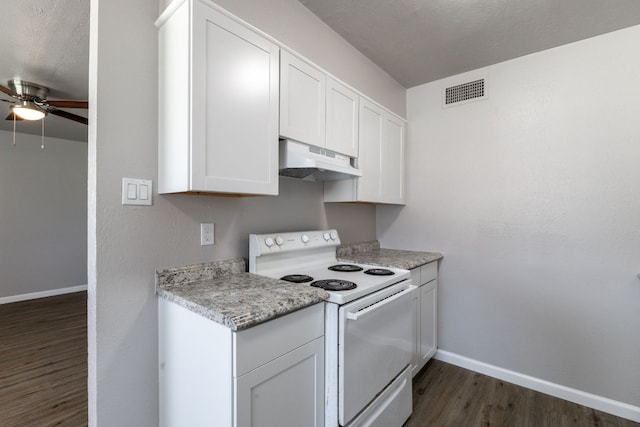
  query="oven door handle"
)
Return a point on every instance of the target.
[{"x": 363, "y": 312}]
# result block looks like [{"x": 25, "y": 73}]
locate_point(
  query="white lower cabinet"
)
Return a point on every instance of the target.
[
  {"x": 282, "y": 392},
  {"x": 270, "y": 375},
  {"x": 428, "y": 321},
  {"x": 425, "y": 315}
]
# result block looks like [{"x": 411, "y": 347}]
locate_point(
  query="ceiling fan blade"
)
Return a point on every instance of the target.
[
  {"x": 69, "y": 116},
  {"x": 8, "y": 91},
  {"x": 68, "y": 104},
  {"x": 11, "y": 117}
]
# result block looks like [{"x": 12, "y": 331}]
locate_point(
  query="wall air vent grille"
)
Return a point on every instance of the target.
[{"x": 465, "y": 93}]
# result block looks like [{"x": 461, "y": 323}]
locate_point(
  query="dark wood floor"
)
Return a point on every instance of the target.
[
  {"x": 43, "y": 380},
  {"x": 43, "y": 362},
  {"x": 445, "y": 395}
]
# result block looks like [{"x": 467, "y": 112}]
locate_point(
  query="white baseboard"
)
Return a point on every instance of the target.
[
  {"x": 42, "y": 294},
  {"x": 600, "y": 403}
]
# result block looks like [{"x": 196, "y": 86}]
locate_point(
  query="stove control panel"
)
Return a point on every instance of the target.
[{"x": 264, "y": 244}]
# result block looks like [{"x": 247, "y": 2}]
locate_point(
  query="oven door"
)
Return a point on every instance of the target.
[{"x": 374, "y": 346}]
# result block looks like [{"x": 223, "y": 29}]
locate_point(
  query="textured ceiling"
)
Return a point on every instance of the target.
[
  {"x": 418, "y": 41},
  {"x": 415, "y": 41},
  {"x": 46, "y": 42}
]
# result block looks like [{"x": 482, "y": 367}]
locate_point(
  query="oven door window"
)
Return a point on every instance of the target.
[{"x": 375, "y": 346}]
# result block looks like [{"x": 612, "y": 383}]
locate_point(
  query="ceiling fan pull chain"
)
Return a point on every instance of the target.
[
  {"x": 42, "y": 146},
  {"x": 14, "y": 130}
]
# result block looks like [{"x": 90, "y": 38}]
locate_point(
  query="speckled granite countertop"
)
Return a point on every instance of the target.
[
  {"x": 371, "y": 253},
  {"x": 223, "y": 292}
]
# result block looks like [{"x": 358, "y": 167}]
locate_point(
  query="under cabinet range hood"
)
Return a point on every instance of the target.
[{"x": 303, "y": 161}]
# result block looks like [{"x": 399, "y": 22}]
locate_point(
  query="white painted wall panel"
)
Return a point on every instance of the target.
[
  {"x": 43, "y": 214},
  {"x": 533, "y": 196},
  {"x": 126, "y": 244}
]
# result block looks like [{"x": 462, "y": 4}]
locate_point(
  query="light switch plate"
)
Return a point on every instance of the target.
[{"x": 137, "y": 191}]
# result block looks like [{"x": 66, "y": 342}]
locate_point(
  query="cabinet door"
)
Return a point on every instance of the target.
[
  {"x": 370, "y": 152},
  {"x": 342, "y": 118},
  {"x": 428, "y": 320},
  {"x": 302, "y": 101},
  {"x": 415, "y": 310},
  {"x": 234, "y": 107},
  {"x": 288, "y": 391},
  {"x": 393, "y": 152}
]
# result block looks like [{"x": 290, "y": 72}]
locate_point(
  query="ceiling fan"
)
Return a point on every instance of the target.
[{"x": 32, "y": 104}]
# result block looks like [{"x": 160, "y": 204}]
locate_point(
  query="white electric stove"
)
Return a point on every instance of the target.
[{"x": 368, "y": 324}]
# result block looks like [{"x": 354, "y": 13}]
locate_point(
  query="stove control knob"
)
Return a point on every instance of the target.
[
  {"x": 304, "y": 238},
  {"x": 326, "y": 236},
  {"x": 279, "y": 241},
  {"x": 334, "y": 236},
  {"x": 268, "y": 242}
]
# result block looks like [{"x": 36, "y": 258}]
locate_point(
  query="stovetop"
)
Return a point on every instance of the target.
[
  {"x": 365, "y": 283},
  {"x": 311, "y": 253}
]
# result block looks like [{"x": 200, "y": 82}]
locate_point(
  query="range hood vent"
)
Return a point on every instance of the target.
[
  {"x": 464, "y": 93},
  {"x": 303, "y": 161}
]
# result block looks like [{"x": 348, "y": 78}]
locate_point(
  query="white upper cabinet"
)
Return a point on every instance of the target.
[
  {"x": 302, "y": 101},
  {"x": 372, "y": 121},
  {"x": 315, "y": 108},
  {"x": 392, "y": 165},
  {"x": 381, "y": 158},
  {"x": 227, "y": 92},
  {"x": 342, "y": 118},
  {"x": 219, "y": 101}
]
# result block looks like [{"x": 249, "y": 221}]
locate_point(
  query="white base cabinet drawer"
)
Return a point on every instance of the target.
[
  {"x": 428, "y": 272},
  {"x": 256, "y": 346},
  {"x": 392, "y": 407}
]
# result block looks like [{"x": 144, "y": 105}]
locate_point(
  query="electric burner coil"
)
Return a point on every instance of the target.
[
  {"x": 297, "y": 278},
  {"x": 334, "y": 285},
  {"x": 345, "y": 268},
  {"x": 379, "y": 272}
]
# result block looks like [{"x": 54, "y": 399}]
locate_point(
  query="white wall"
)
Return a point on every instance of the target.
[
  {"x": 126, "y": 244},
  {"x": 533, "y": 196},
  {"x": 43, "y": 215}
]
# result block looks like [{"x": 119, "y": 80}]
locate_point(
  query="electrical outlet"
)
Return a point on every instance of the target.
[{"x": 206, "y": 234}]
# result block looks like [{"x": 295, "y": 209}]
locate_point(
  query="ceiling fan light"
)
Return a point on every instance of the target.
[{"x": 28, "y": 111}]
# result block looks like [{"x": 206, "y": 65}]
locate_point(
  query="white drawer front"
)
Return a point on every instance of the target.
[
  {"x": 415, "y": 276},
  {"x": 256, "y": 346},
  {"x": 391, "y": 408},
  {"x": 428, "y": 272}
]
